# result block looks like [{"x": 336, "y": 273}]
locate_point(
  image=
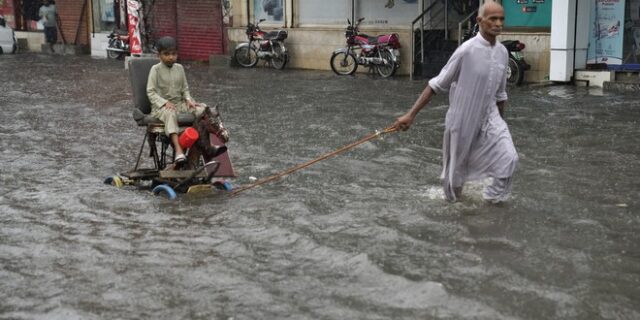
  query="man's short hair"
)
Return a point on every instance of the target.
[
  {"x": 483, "y": 6},
  {"x": 166, "y": 43}
]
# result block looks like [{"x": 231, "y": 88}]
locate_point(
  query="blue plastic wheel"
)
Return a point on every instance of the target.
[
  {"x": 165, "y": 190},
  {"x": 223, "y": 185}
]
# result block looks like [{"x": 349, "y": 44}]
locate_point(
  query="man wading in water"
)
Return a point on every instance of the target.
[{"x": 477, "y": 143}]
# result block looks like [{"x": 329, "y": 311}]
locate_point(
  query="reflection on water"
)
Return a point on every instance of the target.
[{"x": 364, "y": 235}]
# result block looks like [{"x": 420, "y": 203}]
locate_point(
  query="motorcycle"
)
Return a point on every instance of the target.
[
  {"x": 517, "y": 65},
  {"x": 262, "y": 45},
  {"x": 379, "y": 52},
  {"x": 118, "y": 45}
]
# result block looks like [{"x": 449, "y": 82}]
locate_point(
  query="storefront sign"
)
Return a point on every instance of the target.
[
  {"x": 527, "y": 13},
  {"x": 606, "y": 32}
]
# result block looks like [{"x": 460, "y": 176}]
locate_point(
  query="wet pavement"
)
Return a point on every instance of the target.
[{"x": 363, "y": 235}]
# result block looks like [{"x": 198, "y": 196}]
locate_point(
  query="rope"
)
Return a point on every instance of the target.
[{"x": 311, "y": 162}]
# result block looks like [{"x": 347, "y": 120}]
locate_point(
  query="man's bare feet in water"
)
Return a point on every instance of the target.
[{"x": 458, "y": 192}]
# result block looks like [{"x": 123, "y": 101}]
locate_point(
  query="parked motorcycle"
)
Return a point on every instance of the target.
[
  {"x": 262, "y": 45},
  {"x": 517, "y": 65},
  {"x": 118, "y": 45},
  {"x": 379, "y": 52}
]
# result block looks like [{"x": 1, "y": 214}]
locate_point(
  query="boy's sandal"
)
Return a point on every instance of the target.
[{"x": 180, "y": 158}]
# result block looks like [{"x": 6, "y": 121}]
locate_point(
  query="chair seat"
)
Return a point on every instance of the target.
[
  {"x": 185, "y": 119},
  {"x": 139, "y": 73}
]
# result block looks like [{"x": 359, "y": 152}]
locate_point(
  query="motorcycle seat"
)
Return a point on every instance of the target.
[
  {"x": 121, "y": 32},
  {"x": 139, "y": 74},
  {"x": 276, "y": 35},
  {"x": 185, "y": 119},
  {"x": 372, "y": 40}
]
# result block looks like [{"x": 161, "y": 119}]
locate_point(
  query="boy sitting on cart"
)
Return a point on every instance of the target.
[{"x": 169, "y": 94}]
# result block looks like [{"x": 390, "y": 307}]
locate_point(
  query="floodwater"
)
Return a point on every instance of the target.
[{"x": 363, "y": 235}]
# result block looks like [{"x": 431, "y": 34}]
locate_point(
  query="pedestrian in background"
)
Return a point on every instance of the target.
[
  {"x": 477, "y": 143},
  {"x": 48, "y": 15}
]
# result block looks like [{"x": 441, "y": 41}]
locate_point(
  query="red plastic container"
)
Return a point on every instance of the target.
[{"x": 188, "y": 137}]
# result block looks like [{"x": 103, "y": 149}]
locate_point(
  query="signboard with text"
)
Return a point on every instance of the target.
[
  {"x": 527, "y": 13},
  {"x": 606, "y": 32}
]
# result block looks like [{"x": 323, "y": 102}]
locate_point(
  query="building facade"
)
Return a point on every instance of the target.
[
  {"x": 197, "y": 25},
  {"x": 561, "y": 36},
  {"x": 602, "y": 35},
  {"x": 551, "y": 29},
  {"x": 73, "y": 22},
  {"x": 317, "y": 28}
]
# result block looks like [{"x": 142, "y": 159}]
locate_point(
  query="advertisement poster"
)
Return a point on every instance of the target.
[
  {"x": 107, "y": 13},
  {"x": 326, "y": 12},
  {"x": 606, "y": 32},
  {"x": 134, "y": 27},
  {"x": 227, "y": 14},
  {"x": 387, "y": 12}
]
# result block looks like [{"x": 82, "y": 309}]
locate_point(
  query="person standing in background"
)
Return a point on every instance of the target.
[{"x": 48, "y": 14}]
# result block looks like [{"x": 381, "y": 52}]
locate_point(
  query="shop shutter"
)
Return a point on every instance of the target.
[
  {"x": 199, "y": 27},
  {"x": 163, "y": 20}
]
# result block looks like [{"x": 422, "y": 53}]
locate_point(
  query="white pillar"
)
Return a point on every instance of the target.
[
  {"x": 562, "y": 31},
  {"x": 289, "y": 19},
  {"x": 569, "y": 38}
]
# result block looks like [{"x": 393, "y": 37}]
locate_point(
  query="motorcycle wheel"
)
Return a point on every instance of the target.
[
  {"x": 389, "y": 68},
  {"x": 515, "y": 72},
  {"x": 246, "y": 56},
  {"x": 114, "y": 54},
  {"x": 280, "y": 59},
  {"x": 343, "y": 63}
]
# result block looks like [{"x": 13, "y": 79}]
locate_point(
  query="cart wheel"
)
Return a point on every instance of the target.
[
  {"x": 165, "y": 190},
  {"x": 223, "y": 185},
  {"x": 114, "y": 181}
]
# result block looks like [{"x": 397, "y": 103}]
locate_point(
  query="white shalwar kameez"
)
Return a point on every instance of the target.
[{"x": 477, "y": 143}]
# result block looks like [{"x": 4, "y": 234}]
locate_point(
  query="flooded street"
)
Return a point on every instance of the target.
[{"x": 363, "y": 235}]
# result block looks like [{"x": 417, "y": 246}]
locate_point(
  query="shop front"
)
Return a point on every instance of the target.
[
  {"x": 316, "y": 28},
  {"x": 529, "y": 21},
  {"x": 107, "y": 16},
  {"x": 591, "y": 40},
  {"x": 72, "y": 23},
  {"x": 197, "y": 25}
]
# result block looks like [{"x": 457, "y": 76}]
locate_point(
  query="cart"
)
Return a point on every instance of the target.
[{"x": 164, "y": 177}]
